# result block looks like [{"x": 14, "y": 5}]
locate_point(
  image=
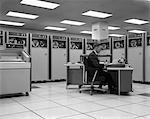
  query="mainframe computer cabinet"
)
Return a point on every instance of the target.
[
  {"x": 135, "y": 56},
  {"x": 58, "y": 57},
  {"x": 40, "y": 55}
]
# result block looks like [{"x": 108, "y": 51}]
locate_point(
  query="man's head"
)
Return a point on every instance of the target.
[{"x": 97, "y": 47}]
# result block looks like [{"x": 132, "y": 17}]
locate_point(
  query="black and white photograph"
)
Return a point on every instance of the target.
[{"x": 74, "y": 59}]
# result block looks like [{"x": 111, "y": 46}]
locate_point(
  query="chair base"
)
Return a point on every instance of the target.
[{"x": 92, "y": 89}]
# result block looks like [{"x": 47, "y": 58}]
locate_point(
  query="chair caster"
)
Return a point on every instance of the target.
[
  {"x": 80, "y": 86},
  {"x": 91, "y": 93},
  {"x": 103, "y": 92},
  {"x": 66, "y": 86},
  {"x": 27, "y": 94}
]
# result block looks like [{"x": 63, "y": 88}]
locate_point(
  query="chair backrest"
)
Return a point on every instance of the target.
[
  {"x": 85, "y": 62},
  {"x": 88, "y": 76}
]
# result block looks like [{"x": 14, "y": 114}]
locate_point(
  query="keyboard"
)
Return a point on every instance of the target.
[{"x": 115, "y": 65}]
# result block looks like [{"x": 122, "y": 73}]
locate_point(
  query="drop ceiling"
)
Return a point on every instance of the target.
[{"x": 73, "y": 9}]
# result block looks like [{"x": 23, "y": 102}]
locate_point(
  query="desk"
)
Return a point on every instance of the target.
[
  {"x": 75, "y": 73},
  {"x": 122, "y": 77}
]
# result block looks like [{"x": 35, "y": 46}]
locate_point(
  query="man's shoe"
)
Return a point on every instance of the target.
[
  {"x": 100, "y": 86},
  {"x": 113, "y": 91}
]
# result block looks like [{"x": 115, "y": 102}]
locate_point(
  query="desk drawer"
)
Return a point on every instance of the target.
[{"x": 75, "y": 76}]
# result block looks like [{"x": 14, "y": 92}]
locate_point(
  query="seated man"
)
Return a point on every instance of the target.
[{"x": 93, "y": 64}]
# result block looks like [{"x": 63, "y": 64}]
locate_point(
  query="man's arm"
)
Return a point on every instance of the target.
[{"x": 95, "y": 62}]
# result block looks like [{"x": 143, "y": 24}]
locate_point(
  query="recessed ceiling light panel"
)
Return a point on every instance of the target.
[
  {"x": 116, "y": 35},
  {"x": 137, "y": 31},
  {"x": 86, "y": 32},
  {"x": 55, "y": 28},
  {"x": 113, "y": 28},
  {"x": 21, "y": 15},
  {"x": 96, "y": 14},
  {"x": 136, "y": 21},
  {"x": 11, "y": 23},
  {"x": 40, "y": 3},
  {"x": 70, "y": 22}
]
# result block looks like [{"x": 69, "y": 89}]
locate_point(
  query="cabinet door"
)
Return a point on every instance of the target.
[
  {"x": 14, "y": 80},
  {"x": 39, "y": 64},
  {"x": 58, "y": 61},
  {"x": 135, "y": 59},
  {"x": 147, "y": 62}
]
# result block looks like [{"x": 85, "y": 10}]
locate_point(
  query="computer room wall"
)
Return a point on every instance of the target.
[{"x": 53, "y": 59}]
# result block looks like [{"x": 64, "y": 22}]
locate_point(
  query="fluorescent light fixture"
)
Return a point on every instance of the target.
[
  {"x": 55, "y": 28},
  {"x": 11, "y": 23},
  {"x": 136, "y": 21},
  {"x": 113, "y": 28},
  {"x": 116, "y": 35},
  {"x": 77, "y": 23},
  {"x": 96, "y": 14},
  {"x": 86, "y": 32},
  {"x": 137, "y": 31},
  {"x": 39, "y": 3},
  {"x": 21, "y": 15}
]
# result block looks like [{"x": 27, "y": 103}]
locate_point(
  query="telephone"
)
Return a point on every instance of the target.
[{"x": 120, "y": 62}]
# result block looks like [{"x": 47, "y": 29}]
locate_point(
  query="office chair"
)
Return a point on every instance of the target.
[{"x": 92, "y": 80}]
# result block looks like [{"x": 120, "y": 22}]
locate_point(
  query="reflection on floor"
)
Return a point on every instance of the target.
[{"x": 53, "y": 101}]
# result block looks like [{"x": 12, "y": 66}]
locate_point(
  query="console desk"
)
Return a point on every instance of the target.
[{"x": 122, "y": 77}]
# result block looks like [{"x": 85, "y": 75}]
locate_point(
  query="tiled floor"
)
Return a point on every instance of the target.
[{"x": 54, "y": 101}]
